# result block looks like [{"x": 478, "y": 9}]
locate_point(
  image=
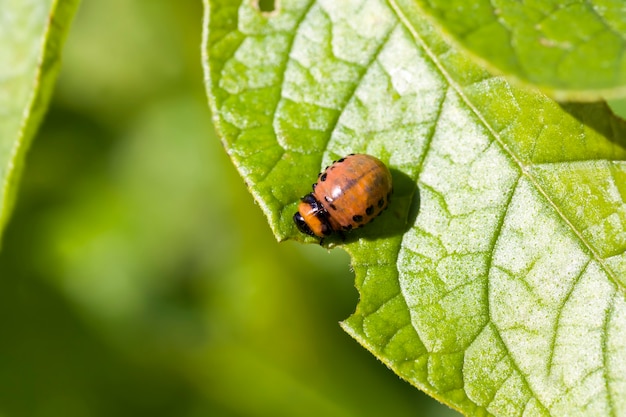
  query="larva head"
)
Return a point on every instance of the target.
[{"x": 311, "y": 218}]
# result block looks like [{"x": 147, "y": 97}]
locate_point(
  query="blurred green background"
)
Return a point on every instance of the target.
[{"x": 137, "y": 275}]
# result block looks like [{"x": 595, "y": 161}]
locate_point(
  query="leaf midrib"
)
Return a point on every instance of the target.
[{"x": 523, "y": 168}]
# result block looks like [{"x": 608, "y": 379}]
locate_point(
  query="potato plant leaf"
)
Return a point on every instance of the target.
[
  {"x": 32, "y": 33},
  {"x": 572, "y": 49},
  {"x": 495, "y": 280}
]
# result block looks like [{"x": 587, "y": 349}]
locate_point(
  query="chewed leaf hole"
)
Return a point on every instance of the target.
[{"x": 266, "y": 6}]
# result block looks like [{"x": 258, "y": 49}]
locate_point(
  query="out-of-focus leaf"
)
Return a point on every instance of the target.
[
  {"x": 32, "y": 33},
  {"x": 574, "y": 50},
  {"x": 495, "y": 281}
]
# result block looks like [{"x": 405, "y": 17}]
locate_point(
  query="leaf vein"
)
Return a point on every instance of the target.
[
  {"x": 357, "y": 83},
  {"x": 559, "y": 313},
  {"x": 605, "y": 356}
]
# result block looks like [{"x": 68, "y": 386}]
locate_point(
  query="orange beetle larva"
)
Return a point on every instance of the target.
[{"x": 348, "y": 194}]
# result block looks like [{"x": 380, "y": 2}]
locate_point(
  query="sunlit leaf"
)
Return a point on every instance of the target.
[{"x": 495, "y": 280}]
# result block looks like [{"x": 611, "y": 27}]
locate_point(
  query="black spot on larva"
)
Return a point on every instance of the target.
[
  {"x": 381, "y": 202},
  {"x": 369, "y": 210},
  {"x": 341, "y": 160},
  {"x": 309, "y": 199},
  {"x": 351, "y": 154},
  {"x": 314, "y": 185},
  {"x": 323, "y": 177},
  {"x": 357, "y": 218},
  {"x": 326, "y": 169},
  {"x": 330, "y": 202},
  {"x": 347, "y": 228}
]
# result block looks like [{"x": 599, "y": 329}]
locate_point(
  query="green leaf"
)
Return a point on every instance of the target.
[
  {"x": 573, "y": 50},
  {"x": 32, "y": 33},
  {"x": 495, "y": 280}
]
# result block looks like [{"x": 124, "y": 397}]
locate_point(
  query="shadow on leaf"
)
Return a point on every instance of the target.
[{"x": 599, "y": 117}]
